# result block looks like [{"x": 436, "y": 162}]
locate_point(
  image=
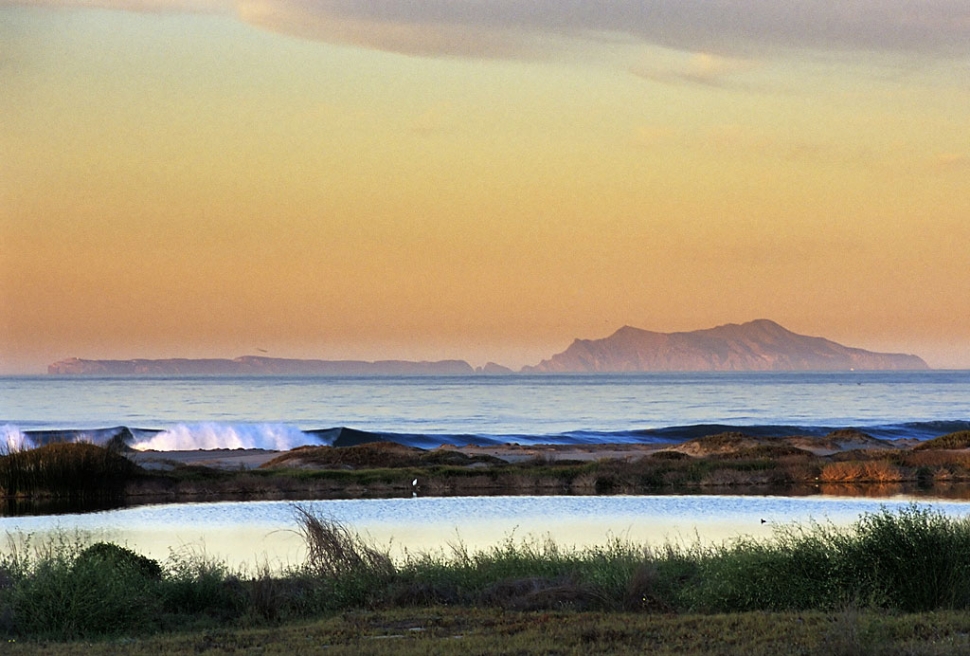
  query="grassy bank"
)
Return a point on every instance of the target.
[{"x": 912, "y": 561}]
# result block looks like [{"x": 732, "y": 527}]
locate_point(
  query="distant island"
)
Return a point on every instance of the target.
[
  {"x": 251, "y": 365},
  {"x": 760, "y": 345}
]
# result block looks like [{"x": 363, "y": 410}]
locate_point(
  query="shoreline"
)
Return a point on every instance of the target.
[
  {"x": 843, "y": 463},
  {"x": 243, "y": 458},
  {"x": 837, "y": 442}
]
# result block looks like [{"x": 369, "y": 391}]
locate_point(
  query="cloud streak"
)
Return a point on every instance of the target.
[
  {"x": 702, "y": 68},
  {"x": 494, "y": 28}
]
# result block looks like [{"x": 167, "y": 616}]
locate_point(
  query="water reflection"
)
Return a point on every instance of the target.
[
  {"x": 12, "y": 507},
  {"x": 246, "y": 533}
]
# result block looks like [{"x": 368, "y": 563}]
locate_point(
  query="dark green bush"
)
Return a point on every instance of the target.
[
  {"x": 108, "y": 555},
  {"x": 64, "y": 596}
]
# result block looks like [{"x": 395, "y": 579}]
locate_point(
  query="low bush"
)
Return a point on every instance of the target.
[{"x": 64, "y": 591}]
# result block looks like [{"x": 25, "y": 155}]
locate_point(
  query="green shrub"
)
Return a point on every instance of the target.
[
  {"x": 106, "y": 554},
  {"x": 195, "y": 584},
  {"x": 61, "y": 595}
]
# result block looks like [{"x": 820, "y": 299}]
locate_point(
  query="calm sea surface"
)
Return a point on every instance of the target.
[{"x": 277, "y": 412}]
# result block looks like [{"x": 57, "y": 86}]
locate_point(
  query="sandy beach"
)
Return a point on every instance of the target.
[{"x": 235, "y": 459}]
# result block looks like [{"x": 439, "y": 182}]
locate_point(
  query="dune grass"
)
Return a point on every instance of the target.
[
  {"x": 913, "y": 560},
  {"x": 957, "y": 440}
]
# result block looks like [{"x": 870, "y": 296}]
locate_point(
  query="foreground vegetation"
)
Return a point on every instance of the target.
[
  {"x": 820, "y": 582},
  {"x": 726, "y": 462},
  {"x": 461, "y": 631}
]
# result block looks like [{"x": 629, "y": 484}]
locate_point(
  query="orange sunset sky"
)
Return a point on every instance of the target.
[{"x": 478, "y": 179}]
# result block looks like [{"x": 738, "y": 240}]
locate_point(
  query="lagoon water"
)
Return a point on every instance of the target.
[{"x": 244, "y": 534}]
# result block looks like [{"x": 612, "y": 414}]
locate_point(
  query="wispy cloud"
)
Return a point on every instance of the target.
[
  {"x": 701, "y": 68},
  {"x": 506, "y": 27}
]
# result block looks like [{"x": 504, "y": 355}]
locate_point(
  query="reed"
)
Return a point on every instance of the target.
[
  {"x": 334, "y": 551},
  {"x": 65, "y": 470}
]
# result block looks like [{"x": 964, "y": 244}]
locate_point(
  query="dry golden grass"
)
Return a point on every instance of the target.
[
  {"x": 866, "y": 471},
  {"x": 937, "y": 458}
]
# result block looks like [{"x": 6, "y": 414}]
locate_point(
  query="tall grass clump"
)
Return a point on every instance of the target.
[
  {"x": 343, "y": 564},
  {"x": 62, "y": 469},
  {"x": 914, "y": 559},
  {"x": 793, "y": 570}
]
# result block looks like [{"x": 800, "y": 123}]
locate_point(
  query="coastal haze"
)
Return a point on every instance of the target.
[{"x": 478, "y": 181}]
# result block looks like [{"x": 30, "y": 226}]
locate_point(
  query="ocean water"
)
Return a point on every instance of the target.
[{"x": 167, "y": 413}]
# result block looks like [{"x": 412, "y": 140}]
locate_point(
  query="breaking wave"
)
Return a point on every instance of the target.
[
  {"x": 189, "y": 437},
  {"x": 283, "y": 437},
  {"x": 12, "y": 439}
]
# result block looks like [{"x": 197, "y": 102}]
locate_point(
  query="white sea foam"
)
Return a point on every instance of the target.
[
  {"x": 213, "y": 435},
  {"x": 12, "y": 440}
]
